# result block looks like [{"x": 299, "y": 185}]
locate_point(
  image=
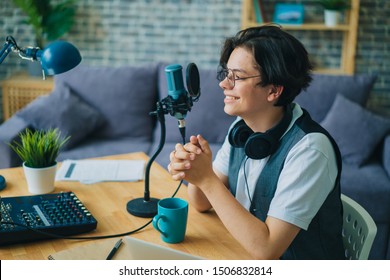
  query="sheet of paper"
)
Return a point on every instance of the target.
[{"x": 92, "y": 171}]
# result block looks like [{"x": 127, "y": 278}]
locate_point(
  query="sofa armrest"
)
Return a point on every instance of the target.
[
  {"x": 386, "y": 154},
  {"x": 9, "y": 131}
]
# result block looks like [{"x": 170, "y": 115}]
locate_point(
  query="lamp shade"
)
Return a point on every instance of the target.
[{"x": 59, "y": 57}]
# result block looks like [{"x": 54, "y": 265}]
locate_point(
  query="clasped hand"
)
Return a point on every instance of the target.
[{"x": 192, "y": 161}]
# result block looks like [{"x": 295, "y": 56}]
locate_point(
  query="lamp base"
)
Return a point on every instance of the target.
[{"x": 142, "y": 208}]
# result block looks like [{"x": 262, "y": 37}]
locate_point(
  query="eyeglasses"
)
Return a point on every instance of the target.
[{"x": 231, "y": 76}]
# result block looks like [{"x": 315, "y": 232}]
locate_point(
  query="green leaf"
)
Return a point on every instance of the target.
[
  {"x": 59, "y": 22},
  {"x": 49, "y": 19},
  {"x": 39, "y": 148},
  {"x": 338, "y": 5}
]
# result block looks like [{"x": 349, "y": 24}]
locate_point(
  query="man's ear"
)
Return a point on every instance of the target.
[{"x": 275, "y": 92}]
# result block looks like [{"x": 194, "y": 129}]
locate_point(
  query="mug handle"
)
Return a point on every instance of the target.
[{"x": 156, "y": 220}]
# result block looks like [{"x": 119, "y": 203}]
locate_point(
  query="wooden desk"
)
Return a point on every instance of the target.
[{"x": 206, "y": 236}]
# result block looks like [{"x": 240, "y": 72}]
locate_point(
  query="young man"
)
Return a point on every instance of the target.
[{"x": 275, "y": 181}]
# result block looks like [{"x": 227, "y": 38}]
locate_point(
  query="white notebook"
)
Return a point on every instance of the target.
[{"x": 92, "y": 171}]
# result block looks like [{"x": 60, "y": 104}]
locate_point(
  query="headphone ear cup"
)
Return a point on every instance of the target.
[
  {"x": 260, "y": 145},
  {"x": 239, "y": 134}
]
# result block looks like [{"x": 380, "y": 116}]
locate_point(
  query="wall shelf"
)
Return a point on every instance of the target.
[{"x": 349, "y": 30}]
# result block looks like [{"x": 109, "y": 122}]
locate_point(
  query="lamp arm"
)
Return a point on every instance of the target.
[
  {"x": 7, "y": 48},
  {"x": 29, "y": 53}
]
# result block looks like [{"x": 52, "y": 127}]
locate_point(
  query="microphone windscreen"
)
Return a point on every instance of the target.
[{"x": 193, "y": 80}]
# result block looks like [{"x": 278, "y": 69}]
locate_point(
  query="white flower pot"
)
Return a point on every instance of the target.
[
  {"x": 332, "y": 17},
  {"x": 40, "y": 180}
]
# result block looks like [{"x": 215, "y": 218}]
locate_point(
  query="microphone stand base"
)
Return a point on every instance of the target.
[{"x": 142, "y": 208}]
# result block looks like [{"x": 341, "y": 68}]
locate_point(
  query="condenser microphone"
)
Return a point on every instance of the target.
[
  {"x": 179, "y": 100},
  {"x": 177, "y": 103}
]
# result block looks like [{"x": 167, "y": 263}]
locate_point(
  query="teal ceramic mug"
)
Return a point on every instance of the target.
[{"x": 171, "y": 219}]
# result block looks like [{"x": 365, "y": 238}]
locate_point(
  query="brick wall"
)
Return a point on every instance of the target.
[
  {"x": 128, "y": 32},
  {"x": 373, "y": 51}
]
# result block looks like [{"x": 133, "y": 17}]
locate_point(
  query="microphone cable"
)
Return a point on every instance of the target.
[{"x": 59, "y": 236}]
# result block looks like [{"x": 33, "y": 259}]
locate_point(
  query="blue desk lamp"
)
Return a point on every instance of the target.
[{"x": 56, "y": 58}]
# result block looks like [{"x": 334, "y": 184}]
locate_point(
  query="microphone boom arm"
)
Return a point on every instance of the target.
[
  {"x": 146, "y": 207},
  {"x": 161, "y": 118}
]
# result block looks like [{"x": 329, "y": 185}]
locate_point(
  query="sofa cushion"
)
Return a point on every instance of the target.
[
  {"x": 64, "y": 110},
  {"x": 356, "y": 130},
  {"x": 9, "y": 132},
  {"x": 123, "y": 95},
  {"x": 369, "y": 186},
  {"x": 386, "y": 154},
  {"x": 319, "y": 96},
  {"x": 206, "y": 117},
  {"x": 99, "y": 147}
]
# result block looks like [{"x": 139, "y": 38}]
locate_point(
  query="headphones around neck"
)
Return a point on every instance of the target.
[{"x": 259, "y": 145}]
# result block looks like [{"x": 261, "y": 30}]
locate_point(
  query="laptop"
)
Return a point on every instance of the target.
[
  {"x": 141, "y": 250},
  {"x": 131, "y": 249}
]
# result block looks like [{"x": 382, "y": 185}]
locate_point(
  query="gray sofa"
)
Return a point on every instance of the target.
[{"x": 106, "y": 111}]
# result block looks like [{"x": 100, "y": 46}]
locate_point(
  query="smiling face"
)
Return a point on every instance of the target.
[{"x": 247, "y": 98}]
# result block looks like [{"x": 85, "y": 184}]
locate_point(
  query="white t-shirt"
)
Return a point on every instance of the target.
[{"x": 307, "y": 177}]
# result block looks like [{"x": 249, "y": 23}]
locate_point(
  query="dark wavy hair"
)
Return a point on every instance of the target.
[{"x": 281, "y": 59}]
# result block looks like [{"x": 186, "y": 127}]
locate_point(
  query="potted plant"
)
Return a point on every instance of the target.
[
  {"x": 333, "y": 9},
  {"x": 50, "y": 21},
  {"x": 39, "y": 150}
]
